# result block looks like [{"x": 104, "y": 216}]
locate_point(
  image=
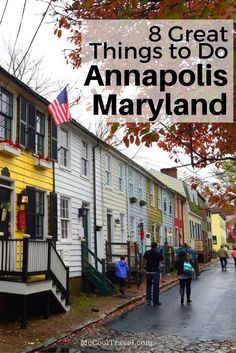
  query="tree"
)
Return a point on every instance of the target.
[
  {"x": 221, "y": 189},
  {"x": 32, "y": 72},
  {"x": 204, "y": 143}
]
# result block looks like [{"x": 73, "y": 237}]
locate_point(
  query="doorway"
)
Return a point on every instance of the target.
[{"x": 5, "y": 212}]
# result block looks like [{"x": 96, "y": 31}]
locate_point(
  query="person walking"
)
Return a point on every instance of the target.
[
  {"x": 223, "y": 255},
  {"x": 122, "y": 271},
  {"x": 152, "y": 259},
  {"x": 185, "y": 274},
  {"x": 193, "y": 258},
  {"x": 233, "y": 254}
]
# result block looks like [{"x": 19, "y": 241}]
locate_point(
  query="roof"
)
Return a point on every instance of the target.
[{"x": 174, "y": 184}]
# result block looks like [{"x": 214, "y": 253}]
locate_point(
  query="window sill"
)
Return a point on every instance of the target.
[
  {"x": 65, "y": 242},
  {"x": 42, "y": 163},
  {"x": 9, "y": 150},
  {"x": 64, "y": 168},
  {"x": 85, "y": 177}
]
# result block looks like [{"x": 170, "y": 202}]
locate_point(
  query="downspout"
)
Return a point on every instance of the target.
[{"x": 95, "y": 200}]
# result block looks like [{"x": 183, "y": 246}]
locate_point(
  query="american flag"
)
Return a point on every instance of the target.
[{"x": 59, "y": 108}]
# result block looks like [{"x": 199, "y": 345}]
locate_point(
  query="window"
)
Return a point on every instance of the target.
[
  {"x": 131, "y": 183},
  {"x": 39, "y": 220},
  {"x": 121, "y": 178},
  {"x": 65, "y": 218},
  {"x": 64, "y": 148},
  {"x": 180, "y": 209},
  {"x": 170, "y": 205},
  {"x": 108, "y": 167},
  {"x": 6, "y": 113},
  {"x": 140, "y": 187},
  {"x": 84, "y": 158},
  {"x": 40, "y": 133},
  {"x": 159, "y": 198},
  {"x": 152, "y": 194},
  {"x": 166, "y": 239},
  {"x": 122, "y": 228},
  {"x": 164, "y": 203},
  {"x": 132, "y": 227},
  {"x": 214, "y": 239}
]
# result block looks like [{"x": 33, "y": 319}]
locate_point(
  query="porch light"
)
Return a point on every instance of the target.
[
  {"x": 82, "y": 212},
  {"x": 22, "y": 198}
]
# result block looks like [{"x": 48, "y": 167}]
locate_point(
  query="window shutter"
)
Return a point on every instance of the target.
[
  {"x": 31, "y": 127},
  {"x": 53, "y": 140},
  {"x": 31, "y": 212},
  {"x": 53, "y": 213},
  {"x": 23, "y": 121}
]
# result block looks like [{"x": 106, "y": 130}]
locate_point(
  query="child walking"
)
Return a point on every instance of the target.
[{"x": 122, "y": 271}]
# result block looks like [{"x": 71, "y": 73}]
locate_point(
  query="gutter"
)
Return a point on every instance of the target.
[{"x": 95, "y": 200}]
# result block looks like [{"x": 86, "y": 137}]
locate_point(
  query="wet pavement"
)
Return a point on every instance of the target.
[{"x": 206, "y": 325}]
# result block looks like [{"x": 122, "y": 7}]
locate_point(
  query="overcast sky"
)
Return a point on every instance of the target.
[{"x": 51, "y": 48}]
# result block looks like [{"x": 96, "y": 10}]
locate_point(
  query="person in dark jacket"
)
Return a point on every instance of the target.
[
  {"x": 185, "y": 279},
  {"x": 152, "y": 260},
  {"x": 122, "y": 271}
]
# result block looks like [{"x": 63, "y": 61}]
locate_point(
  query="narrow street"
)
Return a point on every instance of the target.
[{"x": 206, "y": 325}]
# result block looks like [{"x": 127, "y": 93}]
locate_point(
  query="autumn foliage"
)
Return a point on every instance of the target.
[{"x": 204, "y": 143}]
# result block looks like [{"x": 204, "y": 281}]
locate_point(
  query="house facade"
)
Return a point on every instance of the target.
[
  {"x": 29, "y": 262},
  {"x": 78, "y": 184},
  {"x": 28, "y": 146},
  {"x": 114, "y": 198},
  {"x": 154, "y": 204},
  {"x": 218, "y": 227},
  {"x": 178, "y": 201}
]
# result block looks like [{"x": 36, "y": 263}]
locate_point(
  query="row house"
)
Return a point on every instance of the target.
[
  {"x": 192, "y": 221},
  {"x": 78, "y": 184},
  {"x": 28, "y": 202},
  {"x": 154, "y": 203},
  {"x": 174, "y": 206},
  {"x": 218, "y": 225}
]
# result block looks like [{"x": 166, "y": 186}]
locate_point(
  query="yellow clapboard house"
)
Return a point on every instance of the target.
[{"x": 28, "y": 204}]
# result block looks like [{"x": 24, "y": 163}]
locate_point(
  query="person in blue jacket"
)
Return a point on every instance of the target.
[{"x": 122, "y": 271}]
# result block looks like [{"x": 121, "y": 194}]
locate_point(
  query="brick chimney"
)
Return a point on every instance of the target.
[{"x": 172, "y": 172}]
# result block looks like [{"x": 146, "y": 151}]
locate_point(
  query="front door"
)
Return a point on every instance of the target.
[
  {"x": 5, "y": 212},
  {"x": 109, "y": 237},
  {"x": 86, "y": 230}
]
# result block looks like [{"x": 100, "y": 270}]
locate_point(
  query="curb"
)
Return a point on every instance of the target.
[{"x": 104, "y": 316}]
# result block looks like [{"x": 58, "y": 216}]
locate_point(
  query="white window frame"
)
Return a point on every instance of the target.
[
  {"x": 67, "y": 219},
  {"x": 140, "y": 187},
  {"x": 67, "y": 148},
  {"x": 159, "y": 198},
  {"x": 152, "y": 190},
  {"x": 108, "y": 170},
  {"x": 121, "y": 177},
  {"x": 170, "y": 206},
  {"x": 84, "y": 159},
  {"x": 131, "y": 183},
  {"x": 132, "y": 227},
  {"x": 164, "y": 203}
]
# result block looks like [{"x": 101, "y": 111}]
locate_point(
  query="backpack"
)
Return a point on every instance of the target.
[{"x": 188, "y": 269}]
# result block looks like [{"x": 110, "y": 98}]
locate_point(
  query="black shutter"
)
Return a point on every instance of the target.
[
  {"x": 53, "y": 140},
  {"x": 53, "y": 214},
  {"x": 31, "y": 212},
  {"x": 23, "y": 122},
  {"x": 31, "y": 127}
]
